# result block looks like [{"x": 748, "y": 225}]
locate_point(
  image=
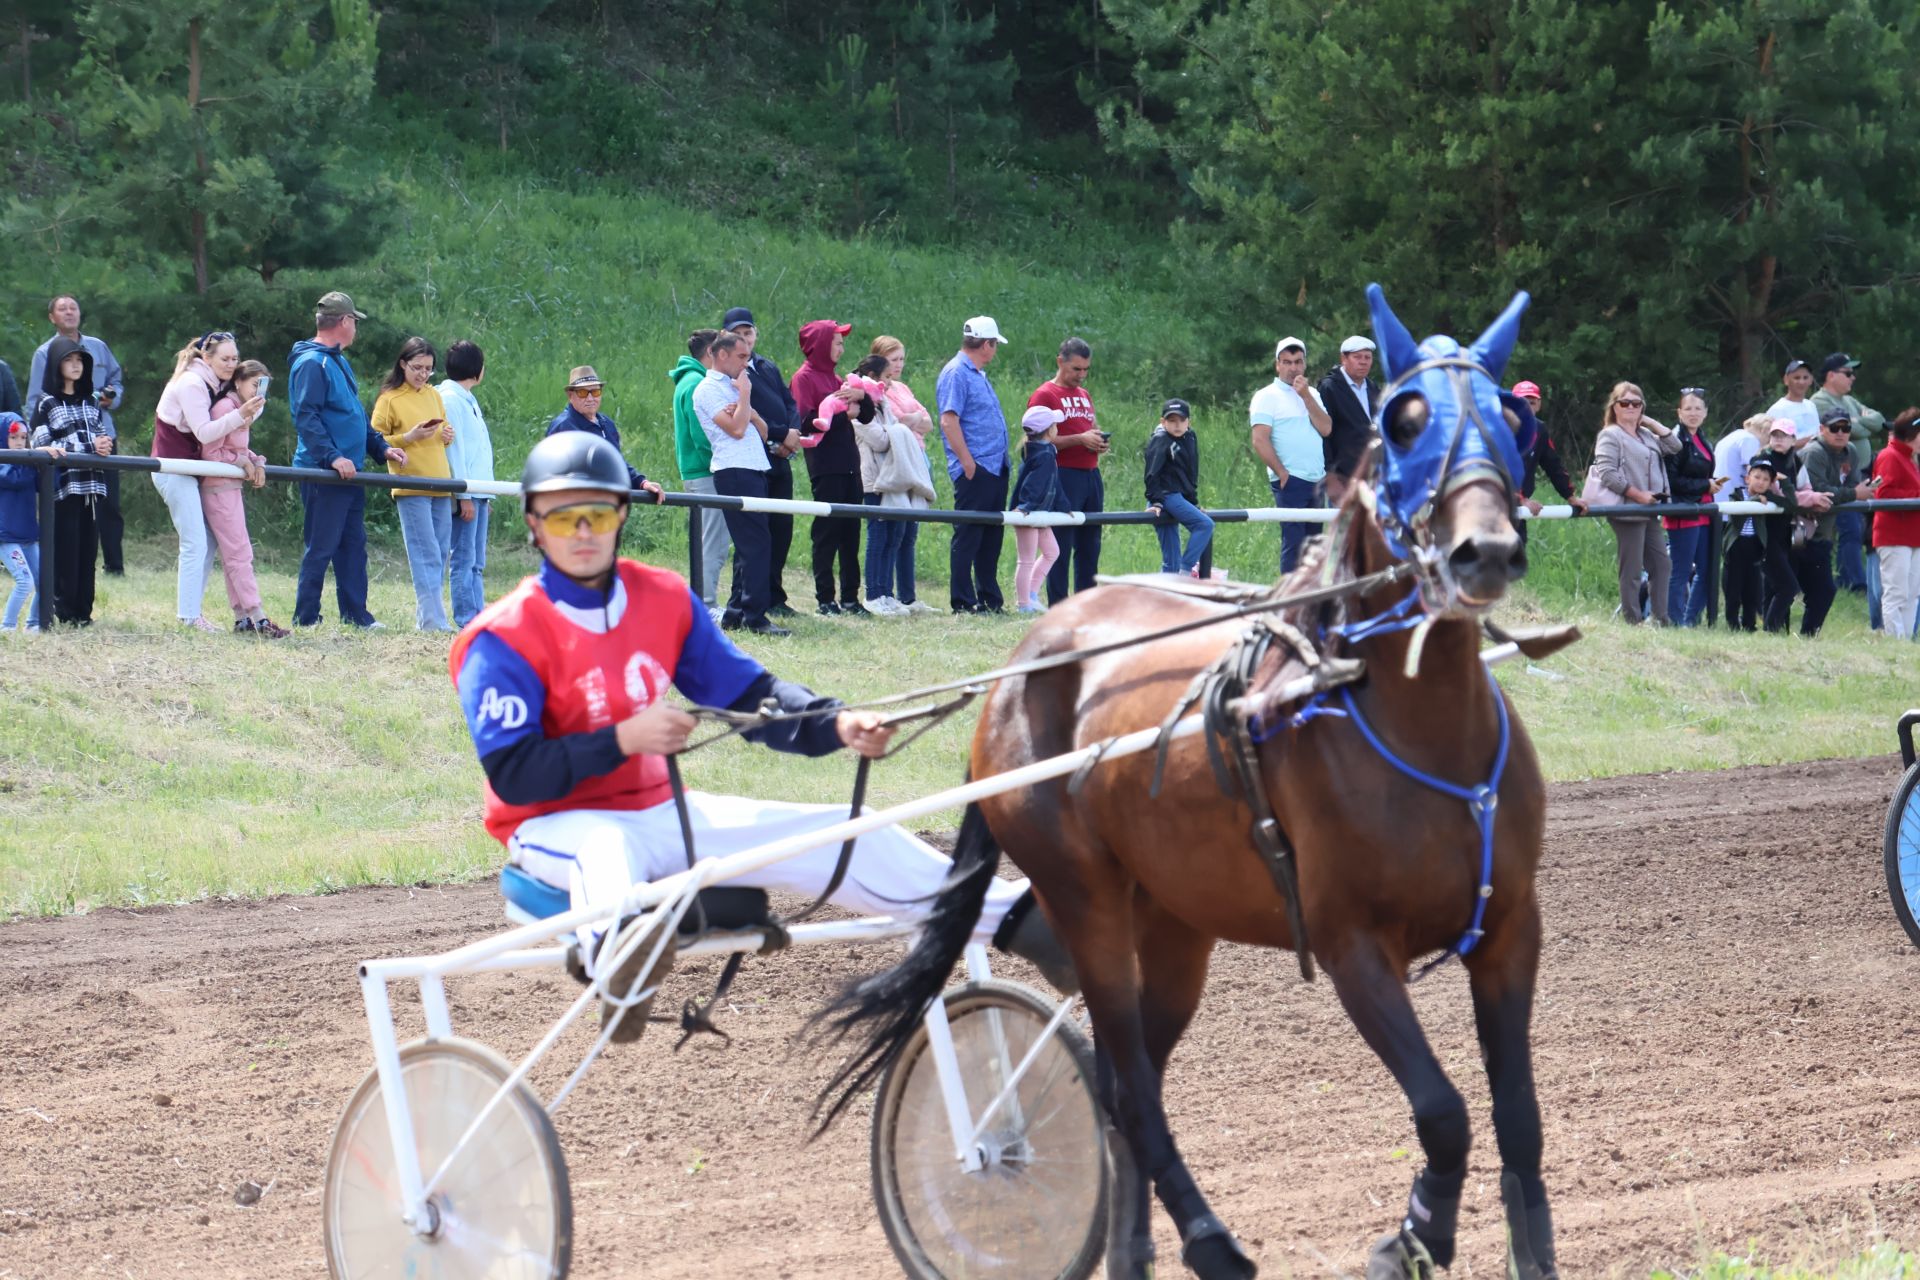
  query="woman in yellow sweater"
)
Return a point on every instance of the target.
[{"x": 410, "y": 414}]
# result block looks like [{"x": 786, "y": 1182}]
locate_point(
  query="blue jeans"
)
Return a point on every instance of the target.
[
  {"x": 1849, "y": 537},
  {"x": 1295, "y": 493},
  {"x": 1687, "y": 588},
  {"x": 883, "y": 541},
  {"x": 426, "y": 525},
  {"x": 1874, "y": 617},
  {"x": 22, "y": 560},
  {"x": 1199, "y": 526},
  {"x": 334, "y": 528},
  {"x": 470, "y": 563},
  {"x": 904, "y": 562}
]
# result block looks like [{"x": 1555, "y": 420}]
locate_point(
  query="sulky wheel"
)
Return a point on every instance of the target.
[
  {"x": 502, "y": 1211},
  {"x": 1037, "y": 1210},
  {"x": 1903, "y": 852}
]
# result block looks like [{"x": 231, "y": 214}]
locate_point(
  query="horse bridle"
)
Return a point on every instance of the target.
[{"x": 1410, "y": 533}]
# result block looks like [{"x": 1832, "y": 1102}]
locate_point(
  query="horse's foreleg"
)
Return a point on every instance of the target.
[
  {"x": 1502, "y": 982},
  {"x": 1103, "y": 949},
  {"x": 1374, "y": 992}
]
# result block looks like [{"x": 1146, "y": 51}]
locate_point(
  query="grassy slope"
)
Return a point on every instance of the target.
[
  {"x": 140, "y": 763},
  {"x": 171, "y": 768}
]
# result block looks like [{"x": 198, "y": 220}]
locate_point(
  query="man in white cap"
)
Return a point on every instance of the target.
[
  {"x": 974, "y": 428},
  {"x": 1290, "y": 428},
  {"x": 1350, "y": 401}
]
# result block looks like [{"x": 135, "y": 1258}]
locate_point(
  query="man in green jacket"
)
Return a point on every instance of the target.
[
  {"x": 1835, "y": 395},
  {"x": 694, "y": 454}
]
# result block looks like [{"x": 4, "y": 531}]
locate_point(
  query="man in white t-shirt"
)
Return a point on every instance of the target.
[
  {"x": 1289, "y": 430},
  {"x": 723, "y": 406},
  {"x": 1796, "y": 406}
]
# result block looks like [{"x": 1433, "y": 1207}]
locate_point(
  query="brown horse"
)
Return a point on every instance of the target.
[{"x": 1389, "y": 867}]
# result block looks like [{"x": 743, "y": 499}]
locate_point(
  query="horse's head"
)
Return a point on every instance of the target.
[{"x": 1448, "y": 464}]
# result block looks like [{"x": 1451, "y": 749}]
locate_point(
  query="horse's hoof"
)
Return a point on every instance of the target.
[
  {"x": 1399, "y": 1255},
  {"x": 1211, "y": 1252}
]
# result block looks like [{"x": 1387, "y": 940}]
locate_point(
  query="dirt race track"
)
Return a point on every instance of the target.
[{"x": 1725, "y": 1040}]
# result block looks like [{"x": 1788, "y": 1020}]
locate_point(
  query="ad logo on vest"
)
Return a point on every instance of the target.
[
  {"x": 509, "y": 709},
  {"x": 646, "y": 680}
]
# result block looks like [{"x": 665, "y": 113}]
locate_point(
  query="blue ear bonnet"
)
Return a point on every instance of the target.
[{"x": 1466, "y": 429}]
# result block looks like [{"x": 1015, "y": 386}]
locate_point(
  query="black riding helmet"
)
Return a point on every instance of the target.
[{"x": 574, "y": 460}]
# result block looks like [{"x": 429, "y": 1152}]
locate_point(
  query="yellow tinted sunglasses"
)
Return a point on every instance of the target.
[{"x": 601, "y": 518}]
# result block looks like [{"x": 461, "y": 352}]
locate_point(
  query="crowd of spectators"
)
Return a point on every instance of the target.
[{"x": 738, "y": 423}]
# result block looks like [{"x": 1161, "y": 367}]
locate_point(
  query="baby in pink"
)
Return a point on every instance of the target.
[
  {"x": 833, "y": 406},
  {"x": 221, "y": 499}
]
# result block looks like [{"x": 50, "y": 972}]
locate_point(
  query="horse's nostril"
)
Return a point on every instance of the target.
[{"x": 1465, "y": 557}]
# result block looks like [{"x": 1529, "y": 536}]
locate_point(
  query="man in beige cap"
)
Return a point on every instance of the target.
[{"x": 584, "y": 389}]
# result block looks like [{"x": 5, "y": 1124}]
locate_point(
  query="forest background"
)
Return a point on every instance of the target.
[{"x": 1693, "y": 192}]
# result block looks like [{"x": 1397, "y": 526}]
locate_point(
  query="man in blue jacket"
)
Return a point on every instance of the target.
[
  {"x": 582, "y": 413},
  {"x": 333, "y": 432}
]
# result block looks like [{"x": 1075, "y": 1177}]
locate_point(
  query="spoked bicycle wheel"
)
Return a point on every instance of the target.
[
  {"x": 1902, "y": 846},
  {"x": 1037, "y": 1210},
  {"x": 502, "y": 1212}
]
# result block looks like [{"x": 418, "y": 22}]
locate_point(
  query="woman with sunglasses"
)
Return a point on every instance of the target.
[
  {"x": 564, "y": 685},
  {"x": 183, "y": 422},
  {"x": 1690, "y": 478},
  {"x": 1628, "y": 463}
]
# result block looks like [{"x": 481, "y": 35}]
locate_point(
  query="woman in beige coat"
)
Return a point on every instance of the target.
[{"x": 1628, "y": 464}]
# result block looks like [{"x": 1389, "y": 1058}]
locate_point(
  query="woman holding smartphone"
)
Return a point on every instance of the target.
[
  {"x": 1690, "y": 478},
  {"x": 183, "y": 425},
  {"x": 411, "y": 415}
]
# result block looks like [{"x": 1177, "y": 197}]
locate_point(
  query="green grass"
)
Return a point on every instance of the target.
[
  {"x": 140, "y": 763},
  {"x": 1887, "y": 1261}
]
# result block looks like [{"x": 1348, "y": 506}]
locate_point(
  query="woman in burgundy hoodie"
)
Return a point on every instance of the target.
[{"x": 833, "y": 463}]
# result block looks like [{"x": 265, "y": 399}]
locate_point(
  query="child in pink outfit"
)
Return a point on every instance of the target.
[
  {"x": 221, "y": 499},
  {"x": 833, "y": 406}
]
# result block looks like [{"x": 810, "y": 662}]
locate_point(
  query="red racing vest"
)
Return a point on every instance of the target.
[{"x": 591, "y": 680}]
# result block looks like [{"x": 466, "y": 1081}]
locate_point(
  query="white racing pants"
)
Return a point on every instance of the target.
[{"x": 599, "y": 855}]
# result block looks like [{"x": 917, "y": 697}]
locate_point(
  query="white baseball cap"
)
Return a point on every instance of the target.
[
  {"x": 984, "y": 328},
  {"x": 1289, "y": 342},
  {"x": 1356, "y": 343}
]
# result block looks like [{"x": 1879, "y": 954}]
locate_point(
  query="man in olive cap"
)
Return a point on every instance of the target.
[
  {"x": 333, "y": 435},
  {"x": 584, "y": 391}
]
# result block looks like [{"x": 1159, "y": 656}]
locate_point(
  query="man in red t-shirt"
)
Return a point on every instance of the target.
[{"x": 1081, "y": 444}]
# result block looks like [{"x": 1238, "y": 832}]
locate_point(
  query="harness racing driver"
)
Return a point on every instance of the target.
[{"x": 563, "y": 682}]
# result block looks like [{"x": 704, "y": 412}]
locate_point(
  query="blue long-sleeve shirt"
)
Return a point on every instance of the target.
[{"x": 524, "y": 766}]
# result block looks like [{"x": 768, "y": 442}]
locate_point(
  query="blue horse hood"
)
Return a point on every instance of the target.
[{"x": 1461, "y": 386}]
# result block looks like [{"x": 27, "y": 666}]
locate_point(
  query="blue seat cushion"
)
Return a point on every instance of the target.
[{"x": 531, "y": 896}]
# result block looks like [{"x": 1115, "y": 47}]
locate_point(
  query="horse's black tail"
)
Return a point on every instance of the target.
[{"x": 886, "y": 1008}]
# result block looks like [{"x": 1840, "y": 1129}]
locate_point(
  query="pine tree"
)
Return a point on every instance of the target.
[
  {"x": 1788, "y": 170},
  {"x": 964, "y": 94},
  {"x": 224, "y": 128}
]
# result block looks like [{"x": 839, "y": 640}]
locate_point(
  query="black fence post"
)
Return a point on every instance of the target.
[
  {"x": 1716, "y": 526},
  {"x": 696, "y": 562},
  {"x": 49, "y": 477}
]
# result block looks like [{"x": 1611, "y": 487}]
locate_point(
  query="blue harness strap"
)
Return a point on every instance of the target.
[{"x": 1482, "y": 802}]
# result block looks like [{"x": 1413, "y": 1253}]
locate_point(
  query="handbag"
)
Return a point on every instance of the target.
[{"x": 1595, "y": 494}]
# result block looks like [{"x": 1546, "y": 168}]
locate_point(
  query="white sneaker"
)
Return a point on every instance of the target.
[
  {"x": 200, "y": 623},
  {"x": 887, "y": 607},
  {"x": 920, "y": 606}
]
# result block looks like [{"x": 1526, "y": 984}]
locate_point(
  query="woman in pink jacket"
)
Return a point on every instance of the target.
[
  {"x": 220, "y": 497},
  {"x": 182, "y": 424}
]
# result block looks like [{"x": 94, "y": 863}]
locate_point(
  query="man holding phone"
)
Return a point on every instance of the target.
[
  {"x": 1081, "y": 445},
  {"x": 109, "y": 392},
  {"x": 1831, "y": 468}
]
